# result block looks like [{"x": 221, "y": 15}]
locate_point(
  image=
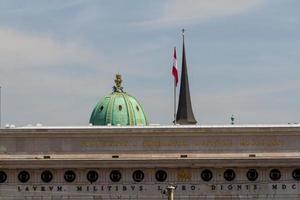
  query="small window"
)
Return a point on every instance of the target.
[
  {"x": 115, "y": 176},
  {"x": 161, "y": 175},
  {"x": 92, "y": 176},
  {"x": 296, "y": 174},
  {"x": 120, "y": 107},
  {"x": 206, "y": 175},
  {"x": 138, "y": 109},
  {"x": 23, "y": 176},
  {"x": 252, "y": 175},
  {"x": 229, "y": 175},
  {"x": 3, "y": 177},
  {"x": 101, "y": 108},
  {"x": 69, "y": 176},
  {"x": 46, "y": 176},
  {"x": 138, "y": 175},
  {"x": 275, "y": 174}
]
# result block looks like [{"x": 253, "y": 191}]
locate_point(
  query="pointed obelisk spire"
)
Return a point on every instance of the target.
[{"x": 185, "y": 113}]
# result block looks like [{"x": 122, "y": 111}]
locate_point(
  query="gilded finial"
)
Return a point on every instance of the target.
[
  {"x": 182, "y": 31},
  {"x": 118, "y": 82}
]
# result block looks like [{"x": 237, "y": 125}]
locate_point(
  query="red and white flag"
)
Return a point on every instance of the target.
[{"x": 174, "y": 68}]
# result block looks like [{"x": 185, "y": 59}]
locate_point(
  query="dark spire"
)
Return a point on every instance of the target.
[{"x": 185, "y": 113}]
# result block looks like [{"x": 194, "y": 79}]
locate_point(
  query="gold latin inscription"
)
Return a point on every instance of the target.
[
  {"x": 95, "y": 144},
  {"x": 184, "y": 143},
  {"x": 214, "y": 143},
  {"x": 159, "y": 143},
  {"x": 261, "y": 143}
]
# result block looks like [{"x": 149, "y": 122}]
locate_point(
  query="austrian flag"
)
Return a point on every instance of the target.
[{"x": 174, "y": 68}]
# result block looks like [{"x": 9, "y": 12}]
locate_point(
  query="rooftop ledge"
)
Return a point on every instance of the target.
[
  {"x": 152, "y": 156},
  {"x": 157, "y": 126},
  {"x": 172, "y": 160}
]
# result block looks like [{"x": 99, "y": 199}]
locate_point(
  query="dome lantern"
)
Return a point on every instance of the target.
[{"x": 118, "y": 108}]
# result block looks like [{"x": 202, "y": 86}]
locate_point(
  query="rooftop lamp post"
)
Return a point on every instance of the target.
[{"x": 170, "y": 192}]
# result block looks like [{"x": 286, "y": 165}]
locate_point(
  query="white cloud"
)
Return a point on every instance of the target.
[
  {"x": 19, "y": 49},
  {"x": 178, "y": 12},
  {"x": 30, "y": 95}
]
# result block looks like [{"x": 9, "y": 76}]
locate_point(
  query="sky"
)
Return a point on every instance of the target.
[{"x": 59, "y": 58}]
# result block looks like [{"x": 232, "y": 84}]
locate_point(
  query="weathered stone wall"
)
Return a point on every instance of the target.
[{"x": 188, "y": 182}]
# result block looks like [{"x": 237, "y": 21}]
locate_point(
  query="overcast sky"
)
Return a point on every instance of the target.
[{"x": 58, "y": 58}]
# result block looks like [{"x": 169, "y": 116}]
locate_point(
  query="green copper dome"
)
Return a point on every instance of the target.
[{"x": 118, "y": 108}]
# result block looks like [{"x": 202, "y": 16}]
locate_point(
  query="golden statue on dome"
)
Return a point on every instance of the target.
[{"x": 118, "y": 81}]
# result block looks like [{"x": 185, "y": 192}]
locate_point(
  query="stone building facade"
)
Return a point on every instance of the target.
[{"x": 139, "y": 162}]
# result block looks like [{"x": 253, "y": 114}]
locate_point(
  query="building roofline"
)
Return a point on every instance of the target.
[
  {"x": 155, "y": 126},
  {"x": 160, "y": 126}
]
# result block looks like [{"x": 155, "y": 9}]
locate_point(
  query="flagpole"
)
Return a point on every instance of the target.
[
  {"x": 174, "y": 102},
  {"x": 175, "y": 74}
]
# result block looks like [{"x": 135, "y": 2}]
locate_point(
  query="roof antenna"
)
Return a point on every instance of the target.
[{"x": 232, "y": 120}]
